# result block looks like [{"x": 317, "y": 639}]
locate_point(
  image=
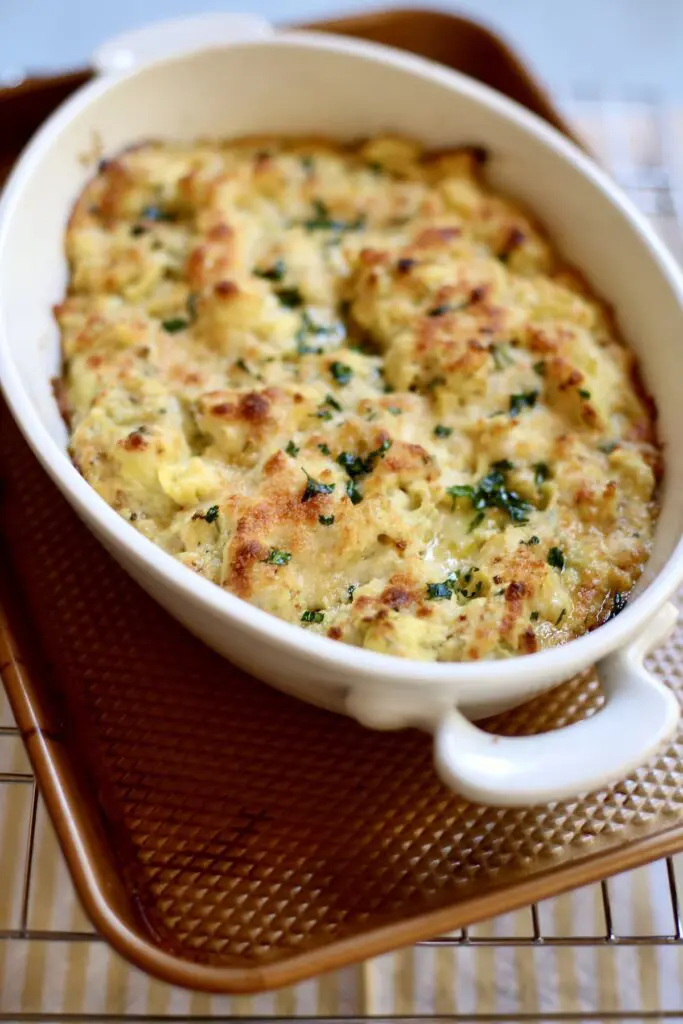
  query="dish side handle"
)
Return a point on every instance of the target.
[
  {"x": 179, "y": 35},
  {"x": 640, "y": 713}
]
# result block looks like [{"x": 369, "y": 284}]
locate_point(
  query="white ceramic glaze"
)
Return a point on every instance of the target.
[{"x": 311, "y": 83}]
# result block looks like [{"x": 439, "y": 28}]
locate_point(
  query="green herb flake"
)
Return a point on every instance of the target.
[
  {"x": 442, "y": 431},
  {"x": 241, "y": 365},
  {"x": 324, "y": 449},
  {"x": 175, "y": 324},
  {"x": 291, "y": 449},
  {"x": 492, "y": 492},
  {"x": 323, "y": 221},
  {"x": 341, "y": 373},
  {"x": 541, "y": 472},
  {"x": 439, "y": 310},
  {"x": 394, "y": 410},
  {"x": 504, "y": 465},
  {"x": 315, "y": 487},
  {"x": 560, "y": 616},
  {"x": 534, "y": 616},
  {"x": 524, "y": 400},
  {"x": 353, "y": 493},
  {"x": 584, "y": 394},
  {"x": 556, "y": 558},
  {"x": 276, "y": 272},
  {"x": 291, "y": 298},
  {"x": 308, "y": 163},
  {"x": 210, "y": 516},
  {"x": 539, "y": 368},
  {"x": 607, "y": 447},
  {"x": 326, "y": 520},
  {"x": 313, "y": 616},
  {"x": 331, "y": 400},
  {"x": 278, "y": 557},
  {"x": 532, "y": 541},
  {"x": 476, "y": 522},
  {"x": 439, "y": 592},
  {"x": 137, "y": 230}
]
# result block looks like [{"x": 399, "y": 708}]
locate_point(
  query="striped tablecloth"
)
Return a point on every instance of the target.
[{"x": 52, "y": 965}]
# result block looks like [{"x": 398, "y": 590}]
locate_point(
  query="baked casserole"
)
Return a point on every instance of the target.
[{"x": 356, "y": 387}]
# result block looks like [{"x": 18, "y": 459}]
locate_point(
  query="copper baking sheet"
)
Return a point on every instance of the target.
[{"x": 224, "y": 836}]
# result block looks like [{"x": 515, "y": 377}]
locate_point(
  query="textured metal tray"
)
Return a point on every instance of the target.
[{"x": 211, "y": 832}]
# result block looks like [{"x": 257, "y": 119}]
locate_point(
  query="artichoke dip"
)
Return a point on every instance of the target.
[{"x": 355, "y": 387}]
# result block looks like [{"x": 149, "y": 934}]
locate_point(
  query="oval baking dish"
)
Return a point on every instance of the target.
[{"x": 299, "y": 83}]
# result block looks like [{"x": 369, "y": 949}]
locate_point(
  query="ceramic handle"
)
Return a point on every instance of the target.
[
  {"x": 181, "y": 35},
  {"x": 638, "y": 716}
]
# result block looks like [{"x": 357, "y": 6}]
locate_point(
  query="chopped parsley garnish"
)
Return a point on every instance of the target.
[
  {"x": 442, "y": 431},
  {"x": 308, "y": 163},
  {"x": 175, "y": 324},
  {"x": 584, "y": 394},
  {"x": 492, "y": 492},
  {"x": 501, "y": 356},
  {"x": 541, "y": 472},
  {"x": 435, "y": 382},
  {"x": 241, "y": 365},
  {"x": 439, "y": 310},
  {"x": 531, "y": 541},
  {"x": 157, "y": 213},
  {"x": 309, "y": 326},
  {"x": 539, "y": 368},
  {"x": 315, "y": 487},
  {"x": 326, "y": 520},
  {"x": 137, "y": 230},
  {"x": 278, "y": 557},
  {"x": 325, "y": 411},
  {"x": 350, "y": 592},
  {"x": 556, "y": 558},
  {"x": 375, "y": 167},
  {"x": 290, "y": 297},
  {"x": 560, "y": 616},
  {"x": 291, "y": 449},
  {"x": 618, "y": 604},
  {"x": 357, "y": 467},
  {"x": 394, "y": 410},
  {"x": 534, "y": 616},
  {"x": 353, "y": 493},
  {"x": 525, "y": 400},
  {"x": 313, "y": 616},
  {"x": 210, "y": 516},
  {"x": 180, "y": 323},
  {"x": 324, "y": 449},
  {"x": 608, "y": 446},
  {"x": 476, "y": 521},
  {"x": 504, "y": 465},
  {"x": 456, "y": 583},
  {"x": 274, "y": 273},
  {"x": 341, "y": 373},
  {"x": 323, "y": 221}
]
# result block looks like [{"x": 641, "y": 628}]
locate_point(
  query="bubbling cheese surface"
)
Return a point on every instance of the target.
[{"x": 355, "y": 387}]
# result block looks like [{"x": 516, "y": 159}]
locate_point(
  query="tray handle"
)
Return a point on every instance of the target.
[
  {"x": 179, "y": 35},
  {"x": 640, "y": 713}
]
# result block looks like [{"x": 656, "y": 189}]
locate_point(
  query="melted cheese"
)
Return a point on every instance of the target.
[{"x": 355, "y": 387}]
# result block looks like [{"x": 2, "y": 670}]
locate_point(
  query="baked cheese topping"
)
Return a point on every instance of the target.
[{"x": 356, "y": 388}]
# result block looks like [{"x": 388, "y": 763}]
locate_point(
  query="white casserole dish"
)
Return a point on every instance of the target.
[{"x": 255, "y": 80}]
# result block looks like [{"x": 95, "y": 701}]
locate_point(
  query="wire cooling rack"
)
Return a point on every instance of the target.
[{"x": 612, "y": 951}]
